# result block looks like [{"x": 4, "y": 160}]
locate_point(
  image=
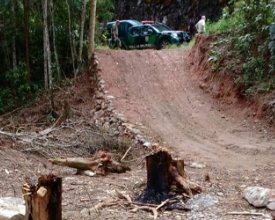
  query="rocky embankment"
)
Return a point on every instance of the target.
[{"x": 108, "y": 119}]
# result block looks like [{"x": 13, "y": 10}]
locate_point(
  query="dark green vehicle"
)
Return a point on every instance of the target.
[
  {"x": 135, "y": 35},
  {"x": 122, "y": 30}
]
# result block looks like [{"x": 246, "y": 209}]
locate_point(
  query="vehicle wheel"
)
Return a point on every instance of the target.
[
  {"x": 163, "y": 43},
  {"x": 111, "y": 45}
]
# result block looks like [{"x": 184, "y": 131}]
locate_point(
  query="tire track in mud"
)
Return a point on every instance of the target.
[{"x": 156, "y": 89}]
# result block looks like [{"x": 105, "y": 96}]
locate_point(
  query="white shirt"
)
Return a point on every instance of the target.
[{"x": 200, "y": 26}]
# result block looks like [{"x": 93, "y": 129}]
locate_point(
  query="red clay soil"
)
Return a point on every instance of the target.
[
  {"x": 172, "y": 97},
  {"x": 160, "y": 92}
]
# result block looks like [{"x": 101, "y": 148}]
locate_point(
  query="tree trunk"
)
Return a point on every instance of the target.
[
  {"x": 45, "y": 29},
  {"x": 27, "y": 44},
  {"x": 158, "y": 182},
  {"x": 54, "y": 42},
  {"x": 14, "y": 61},
  {"x": 70, "y": 35},
  {"x": 91, "y": 47},
  {"x": 47, "y": 53},
  {"x": 43, "y": 198},
  {"x": 79, "y": 59},
  {"x": 49, "y": 63}
]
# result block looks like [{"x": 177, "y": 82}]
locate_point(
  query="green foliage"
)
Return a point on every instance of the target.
[
  {"x": 247, "y": 43},
  {"x": 104, "y": 10},
  {"x": 13, "y": 83},
  {"x": 50, "y": 118},
  {"x": 213, "y": 58},
  {"x": 14, "y": 89},
  {"x": 253, "y": 70},
  {"x": 271, "y": 47},
  {"x": 223, "y": 25}
]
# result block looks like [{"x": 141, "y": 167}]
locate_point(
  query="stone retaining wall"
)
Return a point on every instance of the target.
[{"x": 107, "y": 118}]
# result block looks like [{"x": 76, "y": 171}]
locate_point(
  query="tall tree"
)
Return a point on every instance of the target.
[
  {"x": 54, "y": 41},
  {"x": 46, "y": 46},
  {"x": 83, "y": 13},
  {"x": 91, "y": 47},
  {"x": 71, "y": 35},
  {"x": 27, "y": 43},
  {"x": 14, "y": 62}
]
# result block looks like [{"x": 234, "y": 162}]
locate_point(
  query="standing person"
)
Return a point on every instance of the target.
[
  {"x": 114, "y": 32},
  {"x": 200, "y": 26}
]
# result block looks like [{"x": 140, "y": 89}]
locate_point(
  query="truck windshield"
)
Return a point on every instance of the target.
[{"x": 161, "y": 27}]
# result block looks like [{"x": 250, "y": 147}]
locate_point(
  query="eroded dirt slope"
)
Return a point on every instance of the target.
[{"x": 157, "y": 91}]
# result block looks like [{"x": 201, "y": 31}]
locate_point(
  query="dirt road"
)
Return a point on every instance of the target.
[{"x": 157, "y": 91}]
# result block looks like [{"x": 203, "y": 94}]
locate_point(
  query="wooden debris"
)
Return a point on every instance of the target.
[
  {"x": 248, "y": 213},
  {"x": 100, "y": 164},
  {"x": 126, "y": 153},
  {"x": 43, "y": 198},
  {"x": 162, "y": 173},
  {"x": 66, "y": 113},
  {"x": 136, "y": 208},
  {"x": 105, "y": 204}
]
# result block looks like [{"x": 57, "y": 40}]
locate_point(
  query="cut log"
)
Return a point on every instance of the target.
[
  {"x": 100, "y": 164},
  {"x": 43, "y": 198}
]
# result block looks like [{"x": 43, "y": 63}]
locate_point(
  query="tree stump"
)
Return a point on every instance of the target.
[
  {"x": 43, "y": 198},
  {"x": 158, "y": 183},
  {"x": 162, "y": 172}
]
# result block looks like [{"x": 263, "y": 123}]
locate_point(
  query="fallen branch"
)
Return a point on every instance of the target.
[
  {"x": 30, "y": 137},
  {"x": 127, "y": 197},
  {"x": 162, "y": 204},
  {"x": 146, "y": 207},
  {"x": 248, "y": 213},
  {"x": 105, "y": 204},
  {"x": 147, "y": 204},
  {"x": 126, "y": 153},
  {"x": 9, "y": 113}
]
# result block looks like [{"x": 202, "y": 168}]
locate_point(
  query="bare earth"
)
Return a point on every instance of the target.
[{"x": 170, "y": 102}]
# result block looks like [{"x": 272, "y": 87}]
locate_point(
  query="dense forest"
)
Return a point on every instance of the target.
[{"x": 44, "y": 42}]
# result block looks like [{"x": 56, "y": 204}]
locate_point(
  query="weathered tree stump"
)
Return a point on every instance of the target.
[
  {"x": 162, "y": 172},
  {"x": 158, "y": 183},
  {"x": 43, "y": 198}
]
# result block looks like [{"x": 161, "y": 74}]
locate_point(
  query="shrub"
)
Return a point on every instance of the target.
[{"x": 248, "y": 41}]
